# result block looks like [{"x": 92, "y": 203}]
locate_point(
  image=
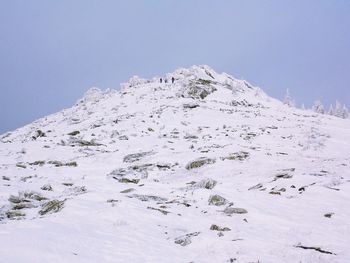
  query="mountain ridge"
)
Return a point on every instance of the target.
[{"x": 205, "y": 169}]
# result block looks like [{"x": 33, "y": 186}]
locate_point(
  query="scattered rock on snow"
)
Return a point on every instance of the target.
[
  {"x": 283, "y": 175},
  {"x": 258, "y": 186},
  {"x": 190, "y": 105},
  {"x": 52, "y": 206},
  {"x": 74, "y": 133},
  {"x": 234, "y": 210},
  {"x": 130, "y": 158},
  {"x": 328, "y": 215},
  {"x": 21, "y": 165},
  {"x": 127, "y": 191},
  {"x": 186, "y": 239},
  {"x": 217, "y": 228},
  {"x": 206, "y": 183},
  {"x": 164, "y": 212},
  {"x": 199, "y": 163},
  {"x": 240, "y": 156},
  {"x": 60, "y": 164},
  {"x": 217, "y": 200},
  {"x": 146, "y": 198},
  {"x": 15, "y": 214}
]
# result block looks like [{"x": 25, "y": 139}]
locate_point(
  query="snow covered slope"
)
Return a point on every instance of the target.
[{"x": 205, "y": 169}]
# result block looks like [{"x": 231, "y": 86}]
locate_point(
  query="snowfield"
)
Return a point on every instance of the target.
[{"x": 205, "y": 169}]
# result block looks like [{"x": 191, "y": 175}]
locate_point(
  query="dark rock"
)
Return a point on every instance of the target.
[
  {"x": 217, "y": 200},
  {"x": 73, "y": 133},
  {"x": 52, "y": 206},
  {"x": 199, "y": 163},
  {"x": 21, "y": 165},
  {"x": 129, "y": 190},
  {"x": 40, "y": 163},
  {"x": 186, "y": 239},
  {"x": 130, "y": 158},
  {"x": 328, "y": 215},
  {"x": 234, "y": 210},
  {"x": 217, "y": 228},
  {"x": 15, "y": 214},
  {"x": 46, "y": 187},
  {"x": 146, "y": 198},
  {"x": 206, "y": 183},
  {"x": 164, "y": 212},
  {"x": 237, "y": 156}
]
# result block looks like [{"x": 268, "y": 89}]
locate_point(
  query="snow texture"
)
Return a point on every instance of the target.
[{"x": 205, "y": 169}]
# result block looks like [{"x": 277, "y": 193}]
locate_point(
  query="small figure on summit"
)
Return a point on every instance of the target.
[
  {"x": 165, "y": 81},
  {"x": 172, "y": 80},
  {"x": 161, "y": 80}
]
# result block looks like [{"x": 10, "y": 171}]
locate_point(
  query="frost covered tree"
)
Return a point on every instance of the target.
[
  {"x": 345, "y": 112},
  {"x": 288, "y": 99},
  {"x": 340, "y": 110},
  {"x": 331, "y": 110},
  {"x": 318, "y": 107}
]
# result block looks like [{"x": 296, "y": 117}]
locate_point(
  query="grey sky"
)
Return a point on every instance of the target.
[{"x": 51, "y": 52}]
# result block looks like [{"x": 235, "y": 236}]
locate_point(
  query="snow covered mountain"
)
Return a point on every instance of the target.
[{"x": 205, "y": 169}]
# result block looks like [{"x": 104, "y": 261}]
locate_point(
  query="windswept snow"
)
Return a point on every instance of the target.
[{"x": 205, "y": 169}]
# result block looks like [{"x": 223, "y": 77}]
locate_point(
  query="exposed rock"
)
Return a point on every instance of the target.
[
  {"x": 112, "y": 201},
  {"x": 73, "y": 141},
  {"x": 129, "y": 190},
  {"x": 234, "y": 210},
  {"x": 130, "y": 175},
  {"x": 199, "y": 163},
  {"x": 163, "y": 166},
  {"x": 130, "y": 158},
  {"x": 275, "y": 193},
  {"x": 21, "y": 165},
  {"x": 73, "y": 133},
  {"x": 206, "y": 183},
  {"x": 199, "y": 90},
  {"x": 164, "y": 212},
  {"x": 40, "y": 163},
  {"x": 52, "y": 206},
  {"x": 38, "y": 134},
  {"x": 24, "y": 197},
  {"x": 60, "y": 164},
  {"x": 258, "y": 186},
  {"x": 283, "y": 175},
  {"x": 20, "y": 206},
  {"x": 128, "y": 181},
  {"x": 186, "y": 239},
  {"x": 217, "y": 228},
  {"x": 318, "y": 249},
  {"x": 217, "y": 200},
  {"x": 34, "y": 196},
  {"x": 15, "y": 199},
  {"x": 190, "y": 136},
  {"x": 328, "y": 215},
  {"x": 241, "y": 156},
  {"x": 146, "y": 198},
  {"x": 78, "y": 190},
  {"x": 190, "y": 105},
  {"x": 15, "y": 214}
]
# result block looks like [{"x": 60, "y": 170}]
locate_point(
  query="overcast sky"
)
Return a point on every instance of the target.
[{"x": 51, "y": 52}]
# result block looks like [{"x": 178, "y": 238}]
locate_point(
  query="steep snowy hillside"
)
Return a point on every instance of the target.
[{"x": 205, "y": 169}]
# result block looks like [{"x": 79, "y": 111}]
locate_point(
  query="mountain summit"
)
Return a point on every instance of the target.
[{"x": 193, "y": 166}]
